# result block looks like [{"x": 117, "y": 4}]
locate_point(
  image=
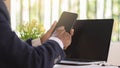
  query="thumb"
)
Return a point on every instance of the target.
[
  {"x": 53, "y": 26},
  {"x": 72, "y": 32},
  {"x": 61, "y": 28}
]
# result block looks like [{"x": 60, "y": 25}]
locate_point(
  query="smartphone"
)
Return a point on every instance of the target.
[{"x": 67, "y": 19}]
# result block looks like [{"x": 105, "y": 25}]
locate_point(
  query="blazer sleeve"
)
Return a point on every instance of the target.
[
  {"x": 16, "y": 53},
  {"x": 29, "y": 41}
]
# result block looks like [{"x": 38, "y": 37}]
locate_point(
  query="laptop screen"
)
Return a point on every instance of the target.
[{"x": 91, "y": 40}]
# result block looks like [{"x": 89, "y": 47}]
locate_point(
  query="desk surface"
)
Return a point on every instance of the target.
[{"x": 87, "y": 66}]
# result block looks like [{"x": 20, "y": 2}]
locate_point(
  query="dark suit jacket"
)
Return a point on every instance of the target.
[{"x": 15, "y": 53}]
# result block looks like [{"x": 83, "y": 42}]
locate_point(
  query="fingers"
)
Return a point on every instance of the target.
[
  {"x": 64, "y": 36},
  {"x": 61, "y": 28},
  {"x": 67, "y": 38},
  {"x": 72, "y": 32},
  {"x": 60, "y": 33},
  {"x": 53, "y": 27},
  {"x": 47, "y": 35}
]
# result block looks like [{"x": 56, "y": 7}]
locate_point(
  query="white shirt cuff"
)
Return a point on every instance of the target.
[
  {"x": 58, "y": 41},
  {"x": 36, "y": 42}
]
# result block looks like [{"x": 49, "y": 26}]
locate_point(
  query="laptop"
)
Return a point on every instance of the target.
[{"x": 91, "y": 40}]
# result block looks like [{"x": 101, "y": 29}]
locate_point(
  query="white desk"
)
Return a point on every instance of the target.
[
  {"x": 75, "y": 64},
  {"x": 88, "y": 66}
]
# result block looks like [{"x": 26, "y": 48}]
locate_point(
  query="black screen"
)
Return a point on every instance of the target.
[
  {"x": 67, "y": 20},
  {"x": 91, "y": 40}
]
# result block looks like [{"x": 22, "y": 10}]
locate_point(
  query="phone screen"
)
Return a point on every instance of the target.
[{"x": 67, "y": 20}]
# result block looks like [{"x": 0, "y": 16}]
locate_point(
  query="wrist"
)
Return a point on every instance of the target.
[{"x": 36, "y": 42}]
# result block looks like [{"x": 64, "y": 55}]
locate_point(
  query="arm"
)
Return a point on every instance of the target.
[{"x": 17, "y": 53}]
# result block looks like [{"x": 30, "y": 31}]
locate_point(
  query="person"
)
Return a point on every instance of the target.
[{"x": 15, "y": 53}]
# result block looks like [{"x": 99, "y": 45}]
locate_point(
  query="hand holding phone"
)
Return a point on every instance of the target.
[{"x": 67, "y": 20}]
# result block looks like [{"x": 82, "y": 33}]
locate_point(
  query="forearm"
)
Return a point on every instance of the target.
[
  {"x": 52, "y": 53},
  {"x": 23, "y": 55}
]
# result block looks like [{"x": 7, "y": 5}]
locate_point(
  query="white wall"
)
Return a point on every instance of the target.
[{"x": 114, "y": 54}]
